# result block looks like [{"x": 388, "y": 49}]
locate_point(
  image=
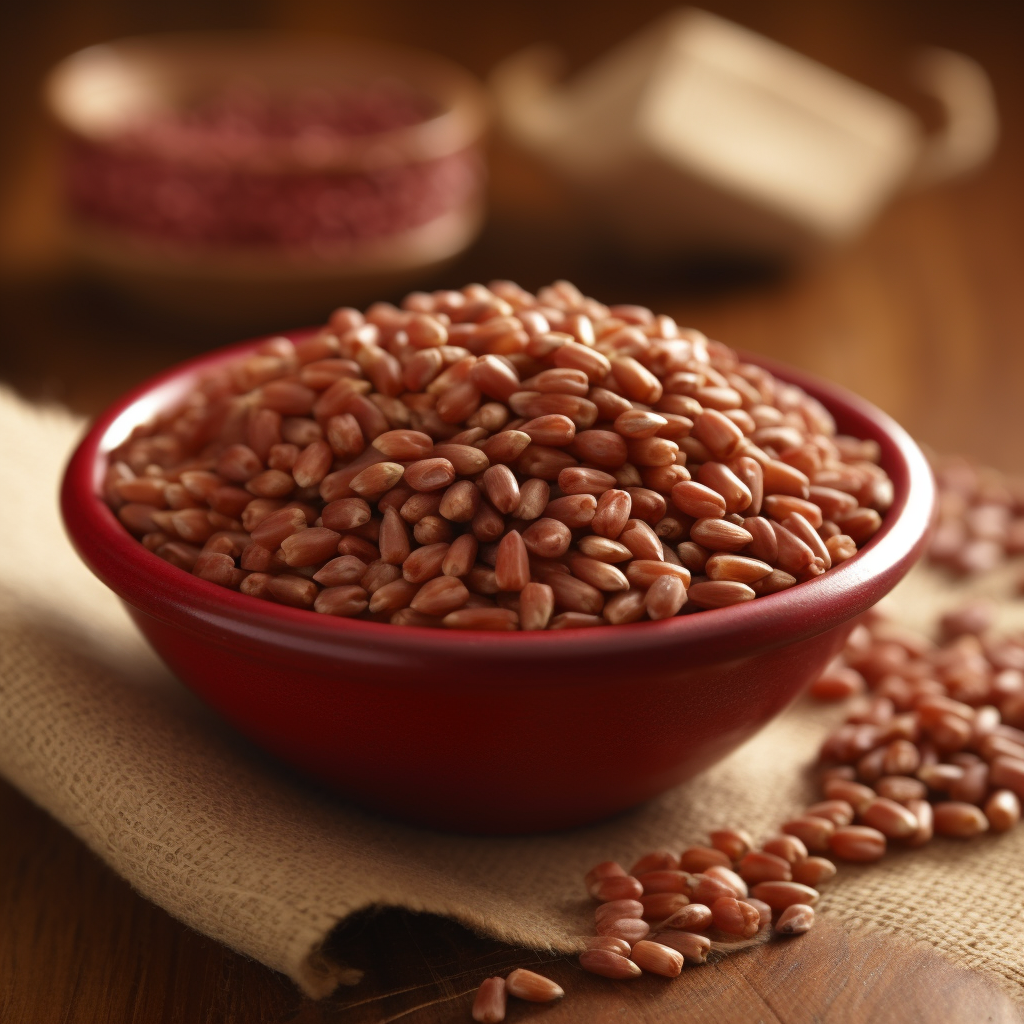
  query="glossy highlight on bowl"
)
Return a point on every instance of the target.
[{"x": 492, "y": 732}]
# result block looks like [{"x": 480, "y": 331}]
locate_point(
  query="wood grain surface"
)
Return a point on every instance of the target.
[
  {"x": 924, "y": 315},
  {"x": 77, "y": 945}
]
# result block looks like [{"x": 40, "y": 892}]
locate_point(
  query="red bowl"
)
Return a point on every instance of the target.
[{"x": 492, "y": 732}]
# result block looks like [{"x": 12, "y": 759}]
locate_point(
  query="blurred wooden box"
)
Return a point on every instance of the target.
[{"x": 699, "y": 133}]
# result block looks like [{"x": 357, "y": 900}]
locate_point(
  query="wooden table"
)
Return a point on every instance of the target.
[{"x": 924, "y": 316}]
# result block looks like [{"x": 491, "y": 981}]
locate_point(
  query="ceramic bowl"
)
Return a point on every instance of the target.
[
  {"x": 492, "y": 732},
  {"x": 258, "y": 229}
]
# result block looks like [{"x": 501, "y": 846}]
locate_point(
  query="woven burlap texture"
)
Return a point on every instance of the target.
[{"x": 94, "y": 730}]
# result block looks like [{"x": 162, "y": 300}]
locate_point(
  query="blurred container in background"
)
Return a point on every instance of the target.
[
  {"x": 251, "y": 178},
  {"x": 698, "y": 134}
]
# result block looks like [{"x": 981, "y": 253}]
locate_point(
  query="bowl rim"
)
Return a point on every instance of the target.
[
  {"x": 458, "y": 123},
  {"x": 157, "y": 588}
]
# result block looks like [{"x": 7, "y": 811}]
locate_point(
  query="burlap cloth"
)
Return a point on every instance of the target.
[{"x": 95, "y": 730}]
